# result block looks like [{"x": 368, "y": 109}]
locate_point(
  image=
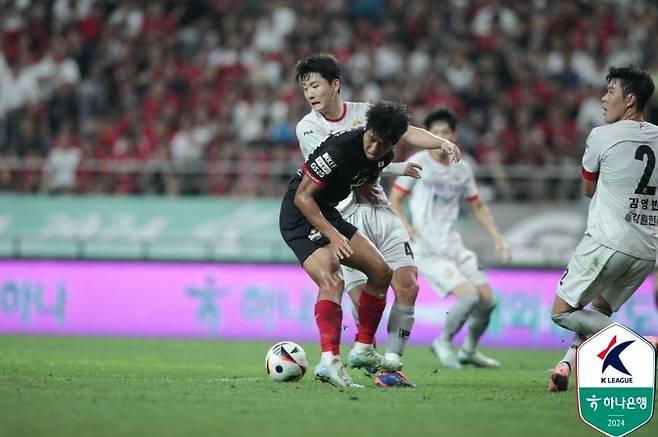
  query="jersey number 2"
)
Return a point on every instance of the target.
[{"x": 643, "y": 187}]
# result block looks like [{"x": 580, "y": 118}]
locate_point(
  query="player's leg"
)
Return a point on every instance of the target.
[
  {"x": 560, "y": 374},
  {"x": 621, "y": 289},
  {"x": 617, "y": 280},
  {"x": 385, "y": 230},
  {"x": 355, "y": 280},
  {"x": 467, "y": 300},
  {"x": 446, "y": 279},
  {"x": 324, "y": 269},
  {"x": 477, "y": 324},
  {"x": 608, "y": 285},
  {"x": 577, "y": 287},
  {"x": 586, "y": 276},
  {"x": 402, "y": 316},
  {"x": 393, "y": 242},
  {"x": 372, "y": 301},
  {"x": 478, "y": 319}
]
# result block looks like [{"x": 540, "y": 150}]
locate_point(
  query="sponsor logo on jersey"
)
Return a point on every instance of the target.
[
  {"x": 330, "y": 162},
  {"x": 308, "y": 132},
  {"x": 317, "y": 170},
  {"x": 322, "y": 164},
  {"x": 314, "y": 235}
]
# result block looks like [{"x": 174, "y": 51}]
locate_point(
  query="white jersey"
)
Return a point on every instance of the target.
[
  {"x": 623, "y": 213},
  {"x": 434, "y": 202},
  {"x": 314, "y": 128}
]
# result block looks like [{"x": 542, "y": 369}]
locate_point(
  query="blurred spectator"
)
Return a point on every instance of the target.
[
  {"x": 191, "y": 97},
  {"x": 61, "y": 164}
]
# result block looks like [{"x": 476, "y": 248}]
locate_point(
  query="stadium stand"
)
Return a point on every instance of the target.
[{"x": 183, "y": 98}]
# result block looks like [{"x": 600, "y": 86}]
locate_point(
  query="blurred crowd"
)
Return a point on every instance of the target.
[{"x": 198, "y": 97}]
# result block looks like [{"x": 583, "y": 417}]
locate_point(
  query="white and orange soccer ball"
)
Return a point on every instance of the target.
[{"x": 286, "y": 361}]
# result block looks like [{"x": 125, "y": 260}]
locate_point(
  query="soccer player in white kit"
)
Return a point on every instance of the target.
[
  {"x": 440, "y": 254},
  {"x": 368, "y": 208},
  {"x": 618, "y": 249}
]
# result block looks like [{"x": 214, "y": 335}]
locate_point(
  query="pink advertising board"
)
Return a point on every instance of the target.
[{"x": 238, "y": 301}]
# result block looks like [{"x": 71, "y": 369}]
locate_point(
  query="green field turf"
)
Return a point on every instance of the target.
[{"x": 56, "y": 386}]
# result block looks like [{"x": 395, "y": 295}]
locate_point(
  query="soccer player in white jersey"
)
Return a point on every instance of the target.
[
  {"x": 368, "y": 209},
  {"x": 618, "y": 249},
  {"x": 440, "y": 253}
]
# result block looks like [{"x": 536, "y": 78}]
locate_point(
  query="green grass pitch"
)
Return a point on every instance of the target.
[{"x": 59, "y": 386}]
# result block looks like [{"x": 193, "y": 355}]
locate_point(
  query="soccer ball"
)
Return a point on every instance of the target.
[{"x": 286, "y": 361}]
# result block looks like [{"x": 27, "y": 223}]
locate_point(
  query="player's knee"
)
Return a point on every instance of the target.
[
  {"x": 560, "y": 319},
  {"x": 330, "y": 284},
  {"x": 488, "y": 305},
  {"x": 406, "y": 291},
  {"x": 470, "y": 299},
  {"x": 381, "y": 275},
  {"x": 601, "y": 306}
]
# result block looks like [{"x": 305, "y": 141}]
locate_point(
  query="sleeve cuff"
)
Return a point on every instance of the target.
[
  {"x": 312, "y": 176},
  {"x": 590, "y": 176},
  {"x": 401, "y": 188},
  {"x": 473, "y": 198},
  {"x": 395, "y": 169}
]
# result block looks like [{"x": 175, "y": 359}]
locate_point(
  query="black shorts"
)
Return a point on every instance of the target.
[{"x": 299, "y": 233}]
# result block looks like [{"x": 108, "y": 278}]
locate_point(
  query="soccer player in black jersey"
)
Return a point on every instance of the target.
[{"x": 321, "y": 239}]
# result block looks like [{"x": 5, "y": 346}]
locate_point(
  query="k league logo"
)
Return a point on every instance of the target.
[
  {"x": 616, "y": 377},
  {"x": 611, "y": 356}
]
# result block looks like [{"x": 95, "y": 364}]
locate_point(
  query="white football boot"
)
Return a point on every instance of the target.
[
  {"x": 446, "y": 355},
  {"x": 477, "y": 359},
  {"x": 335, "y": 374}
]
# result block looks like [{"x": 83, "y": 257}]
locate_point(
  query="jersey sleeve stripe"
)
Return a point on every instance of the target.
[
  {"x": 308, "y": 172},
  {"x": 590, "y": 176},
  {"x": 473, "y": 198},
  {"x": 401, "y": 188}
]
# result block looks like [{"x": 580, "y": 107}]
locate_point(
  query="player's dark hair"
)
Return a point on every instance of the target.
[
  {"x": 324, "y": 64},
  {"x": 633, "y": 80},
  {"x": 441, "y": 113},
  {"x": 388, "y": 120}
]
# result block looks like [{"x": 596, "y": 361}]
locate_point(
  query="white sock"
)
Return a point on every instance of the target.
[
  {"x": 570, "y": 355},
  {"x": 400, "y": 322},
  {"x": 328, "y": 357},
  {"x": 361, "y": 347},
  {"x": 392, "y": 356}
]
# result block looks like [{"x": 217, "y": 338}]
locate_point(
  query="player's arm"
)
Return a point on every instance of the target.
[
  {"x": 589, "y": 184},
  {"x": 591, "y": 162},
  {"x": 483, "y": 215},
  {"x": 396, "y": 197},
  {"x": 406, "y": 168},
  {"x": 305, "y": 201},
  {"x": 424, "y": 139}
]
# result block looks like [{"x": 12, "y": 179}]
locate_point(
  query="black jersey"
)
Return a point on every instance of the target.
[{"x": 340, "y": 164}]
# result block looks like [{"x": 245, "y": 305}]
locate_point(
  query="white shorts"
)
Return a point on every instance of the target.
[
  {"x": 446, "y": 273},
  {"x": 597, "y": 270},
  {"x": 383, "y": 227}
]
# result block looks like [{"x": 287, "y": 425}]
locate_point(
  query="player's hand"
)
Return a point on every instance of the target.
[
  {"x": 504, "y": 251},
  {"x": 340, "y": 246},
  {"x": 452, "y": 150},
  {"x": 412, "y": 170},
  {"x": 371, "y": 192}
]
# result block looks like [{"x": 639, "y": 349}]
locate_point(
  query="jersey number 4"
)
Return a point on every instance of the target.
[{"x": 643, "y": 187}]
